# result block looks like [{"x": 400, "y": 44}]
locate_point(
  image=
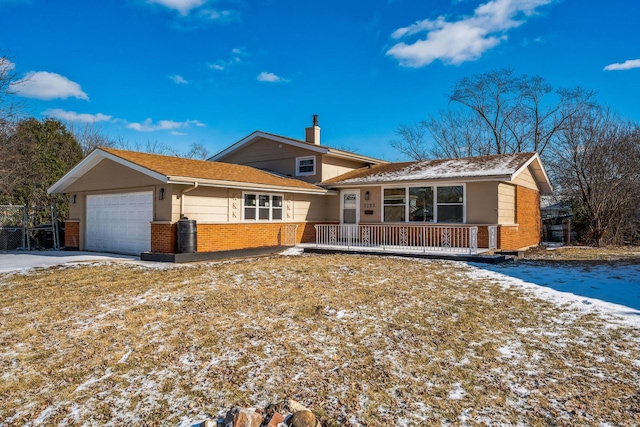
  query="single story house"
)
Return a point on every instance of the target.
[{"x": 270, "y": 190}]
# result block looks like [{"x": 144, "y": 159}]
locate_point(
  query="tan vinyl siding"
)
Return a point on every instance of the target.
[
  {"x": 506, "y": 203},
  {"x": 175, "y": 203},
  {"x": 526, "y": 179},
  {"x": 275, "y": 156},
  {"x": 207, "y": 205},
  {"x": 482, "y": 202},
  {"x": 301, "y": 209},
  {"x": 308, "y": 207},
  {"x": 331, "y": 203},
  {"x": 333, "y": 166},
  {"x": 111, "y": 176}
]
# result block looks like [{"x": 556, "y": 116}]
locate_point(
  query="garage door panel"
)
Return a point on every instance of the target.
[{"x": 119, "y": 222}]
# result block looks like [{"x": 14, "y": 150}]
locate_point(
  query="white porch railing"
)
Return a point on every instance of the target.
[
  {"x": 493, "y": 237},
  {"x": 423, "y": 238}
]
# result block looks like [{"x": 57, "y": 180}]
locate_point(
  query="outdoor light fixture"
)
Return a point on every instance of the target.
[
  {"x": 367, "y": 195},
  {"x": 74, "y": 199},
  {"x": 161, "y": 196}
]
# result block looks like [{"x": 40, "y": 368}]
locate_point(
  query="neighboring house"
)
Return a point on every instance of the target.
[
  {"x": 269, "y": 190},
  {"x": 556, "y": 220}
]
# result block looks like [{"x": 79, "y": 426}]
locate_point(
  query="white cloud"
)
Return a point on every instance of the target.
[
  {"x": 6, "y": 65},
  {"x": 270, "y": 77},
  {"x": 46, "y": 86},
  {"x": 626, "y": 65},
  {"x": 149, "y": 126},
  {"x": 178, "y": 79},
  {"x": 218, "y": 65},
  {"x": 182, "y": 6},
  {"x": 176, "y": 133},
  {"x": 72, "y": 116},
  {"x": 465, "y": 39},
  {"x": 236, "y": 57},
  {"x": 199, "y": 9},
  {"x": 219, "y": 15}
]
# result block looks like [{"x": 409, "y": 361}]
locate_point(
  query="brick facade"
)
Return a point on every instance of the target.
[
  {"x": 164, "y": 237},
  {"x": 224, "y": 237},
  {"x": 72, "y": 235},
  {"x": 527, "y": 232}
]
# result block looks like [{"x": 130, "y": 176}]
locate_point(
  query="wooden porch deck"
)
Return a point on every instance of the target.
[{"x": 449, "y": 240}]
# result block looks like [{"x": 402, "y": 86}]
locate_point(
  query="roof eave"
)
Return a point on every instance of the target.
[
  {"x": 95, "y": 157},
  {"x": 539, "y": 172},
  {"x": 353, "y": 156},
  {"x": 182, "y": 180},
  {"x": 414, "y": 181}
]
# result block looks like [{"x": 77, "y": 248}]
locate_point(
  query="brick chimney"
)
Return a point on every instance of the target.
[{"x": 312, "y": 134}]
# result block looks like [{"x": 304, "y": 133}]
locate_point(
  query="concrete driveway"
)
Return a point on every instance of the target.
[{"x": 17, "y": 261}]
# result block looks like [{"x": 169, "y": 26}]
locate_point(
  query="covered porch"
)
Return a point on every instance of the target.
[{"x": 403, "y": 238}]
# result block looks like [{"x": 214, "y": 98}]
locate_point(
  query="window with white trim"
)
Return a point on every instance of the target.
[
  {"x": 305, "y": 165},
  {"x": 262, "y": 207},
  {"x": 442, "y": 204},
  {"x": 450, "y": 203}
]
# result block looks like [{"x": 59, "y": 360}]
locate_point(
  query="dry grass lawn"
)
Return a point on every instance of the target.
[
  {"x": 586, "y": 253},
  {"x": 361, "y": 340}
]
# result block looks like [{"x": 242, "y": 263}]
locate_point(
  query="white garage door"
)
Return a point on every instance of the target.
[{"x": 119, "y": 222}]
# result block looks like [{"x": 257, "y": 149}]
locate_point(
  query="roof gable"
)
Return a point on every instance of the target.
[
  {"x": 496, "y": 167},
  {"x": 320, "y": 149},
  {"x": 179, "y": 170}
]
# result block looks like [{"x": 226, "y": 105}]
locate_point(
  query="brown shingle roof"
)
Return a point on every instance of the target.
[
  {"x": 170, "y": 166},
  {"x": 461, "y": 168}
]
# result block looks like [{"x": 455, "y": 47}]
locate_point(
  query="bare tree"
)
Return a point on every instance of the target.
[
  {"x": 411, "y": 140},
  {"x": 496, "y": 113},
  {"x": 10, "y": 106},
  {"x": 490, "y": 97},
  {"x": 90, "y": 136},
  {"x": 10, "y": 109},
  {"x": 596, "y": 164},
  {"x": 457, "y": 133},
  {"x": 197, "y": 151}
]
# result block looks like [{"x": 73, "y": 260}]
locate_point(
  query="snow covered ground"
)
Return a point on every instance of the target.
[
  {"x": 368, "y": 340},
  {"x": 610, "y": 289},
  {"x": 21, "y": 261}
]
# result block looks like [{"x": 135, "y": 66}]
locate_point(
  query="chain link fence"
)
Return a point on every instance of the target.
[{"x": 26, "y": 228}]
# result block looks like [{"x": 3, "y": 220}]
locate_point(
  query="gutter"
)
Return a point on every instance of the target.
[
  {"x": 182, "y": 193},
  {"x": 245, "y": 186}
]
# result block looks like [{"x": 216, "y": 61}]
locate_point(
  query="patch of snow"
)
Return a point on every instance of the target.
[
  {"x": 457, "y": 393},
  {"x": 292, "y": 251},
  {"x": 125, "y": 357},
  {"x": 509, "y": 351},
  {"x": 21, "y": 261},
  {"x": 92, "y": 381},
  {"x": 613, "y": 291},
  {"x": 505, "y": 165},
  {"x": 46, "y": 413}
]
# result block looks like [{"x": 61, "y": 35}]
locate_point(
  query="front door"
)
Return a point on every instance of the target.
[{"x": 350, "y": 204}]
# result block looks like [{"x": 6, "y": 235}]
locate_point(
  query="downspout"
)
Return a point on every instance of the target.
[{"x": 182, "y": 193}]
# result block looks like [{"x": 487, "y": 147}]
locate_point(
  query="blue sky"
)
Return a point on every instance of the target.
[{"x": 213, "y": 71}]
